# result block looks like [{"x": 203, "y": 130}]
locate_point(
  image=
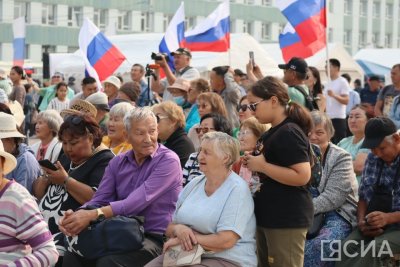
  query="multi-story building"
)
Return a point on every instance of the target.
[{"x": 53, "y": 25}]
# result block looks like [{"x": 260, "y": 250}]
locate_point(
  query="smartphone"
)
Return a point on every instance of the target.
[
  {"x": 47, "y": 164},
  {"x": 251, "y": 56}
]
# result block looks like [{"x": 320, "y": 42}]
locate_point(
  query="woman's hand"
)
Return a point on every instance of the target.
[
  {"x": 74, "y": 222},
  {"x": 185, "y": 236},
  {"x": 170, "y": 243},
  {"x": 58, "y": 176},
  {"x": 254, "y": 163}
]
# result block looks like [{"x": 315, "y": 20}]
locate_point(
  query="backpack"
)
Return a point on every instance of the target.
[{"x": 311, "y": 104}]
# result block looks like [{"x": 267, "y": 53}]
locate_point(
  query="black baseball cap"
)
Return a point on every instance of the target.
[
  {"x": 295, "y": 63},
  {"x": 182, "y": 51},
  {"x": 376, "y": 130},
  {"x": 239, "y": 72}
]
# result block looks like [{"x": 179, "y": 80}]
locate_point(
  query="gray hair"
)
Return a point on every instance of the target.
[
  {"x": 224, "y": 145},
  {"x": 138, "y": 114},
  {"x": 320, "y": 118},
  {"x": 52, "y": 118},
  {"x": 120, "y": 109}
]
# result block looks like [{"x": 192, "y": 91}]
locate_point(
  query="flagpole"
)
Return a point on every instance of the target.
[{"x": 327, "y": 40}]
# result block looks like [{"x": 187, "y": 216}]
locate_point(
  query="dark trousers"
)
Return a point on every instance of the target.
[
  {"x": 152, "y": 248},
  {"x": 340, "y": 130}
]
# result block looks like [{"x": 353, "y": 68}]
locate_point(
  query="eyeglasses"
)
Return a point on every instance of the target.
[
  {"x": 243, "y": 133},
  {"x": 253, "y": 106},
  {"x": 242, "y": 108},
  {"x": 160, "y": 117},
  {"x": 203, "y": 129}
]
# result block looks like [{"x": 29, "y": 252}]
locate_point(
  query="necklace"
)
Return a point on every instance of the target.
[{"x": 74, "y": 168}]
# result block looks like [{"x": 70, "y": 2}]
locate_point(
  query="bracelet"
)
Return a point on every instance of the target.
[{"x": 66, "y": 181}]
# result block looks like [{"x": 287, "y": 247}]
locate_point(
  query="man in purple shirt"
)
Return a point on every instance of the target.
[{"x": 145, "y": 181}]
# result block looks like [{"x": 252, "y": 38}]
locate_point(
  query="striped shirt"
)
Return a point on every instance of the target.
[
  {"x": 25, "y": 239},
  {"x": 191, "y": 169},
  {"x": 58, "y": 105}
]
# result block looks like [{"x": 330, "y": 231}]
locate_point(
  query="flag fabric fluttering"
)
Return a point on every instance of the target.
[
  {"x": 19, "y": 41},
  {"x": 174, "y": 34},
  {"x": 101, "y": 57},
  {"x": 305, "y": 33},
  {"x": 292, "y": 46},
  {"x": 213, "y": 33}
]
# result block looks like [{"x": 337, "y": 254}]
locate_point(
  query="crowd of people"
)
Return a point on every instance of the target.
[{"x": 258, "y": 171}]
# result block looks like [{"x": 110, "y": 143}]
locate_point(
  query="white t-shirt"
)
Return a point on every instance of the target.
[
  {"x": 334, "y": 109},
  {"x": 229, "y": 208},
  {"x": 58, "y": 105}
]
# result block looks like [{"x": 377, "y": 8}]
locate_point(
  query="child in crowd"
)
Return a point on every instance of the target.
[{"x": 61, "y": 101}]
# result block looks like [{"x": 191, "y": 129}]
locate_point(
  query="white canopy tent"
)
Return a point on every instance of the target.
[
  {"x": 138, "y": 47},
  {"x": 348, "y": 64}
]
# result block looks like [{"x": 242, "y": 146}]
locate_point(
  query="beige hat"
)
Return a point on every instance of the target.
[
  {"x": 17, "y": 111},
  {"x": 9, "y": 160},
  {"x": 79, "y": 106},
  {"x": 8, "y": 126},
  {"x": 99, "y": 100},
  {"x": 180, "y": 84},
  {"x": 3, "y": 74},
  {"x": 113, "y": 80}
]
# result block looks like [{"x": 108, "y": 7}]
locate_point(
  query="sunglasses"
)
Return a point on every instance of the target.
[
  {"x": 160, "y": 117},
  {"x": 203, "y": 129},
  {"x": 242, "y": 108},
  {"x": 253, "y": 106}
]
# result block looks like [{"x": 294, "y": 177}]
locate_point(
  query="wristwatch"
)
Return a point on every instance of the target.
[{"x": 100, "y": 215}]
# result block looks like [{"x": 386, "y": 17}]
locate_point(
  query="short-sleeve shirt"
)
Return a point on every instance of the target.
[
  {"x": 296, "y": 96},
  {"x": 229, "y": 208},
  {"x": 387, "y": 94},
  {"x": 372, "y": 168},
  {"x": 367, "y": 96},
  {"x": 334, "y": 109},
  {"x": 278, "y": 205}
]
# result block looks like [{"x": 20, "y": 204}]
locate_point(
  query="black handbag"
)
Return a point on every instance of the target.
[
  {"x": 315, "y": 228},
  {"x": 115, "y": 235},
  {"x": 382, "y": 197}
]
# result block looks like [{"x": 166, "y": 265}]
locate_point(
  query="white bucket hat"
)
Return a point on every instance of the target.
[
  {"x": 8, "y": 126},
  {"x": 114, "y": 81},
  {"x": 9, "y": 160}
]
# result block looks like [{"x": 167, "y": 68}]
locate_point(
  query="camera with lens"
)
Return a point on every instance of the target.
[{"x": 159, "y": 56}]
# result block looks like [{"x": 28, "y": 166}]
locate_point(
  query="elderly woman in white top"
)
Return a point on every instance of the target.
[
  {"x": 334, "y": 194},
  {"x": 223, "y": 221},
  {"x": 47, "y": 126}
]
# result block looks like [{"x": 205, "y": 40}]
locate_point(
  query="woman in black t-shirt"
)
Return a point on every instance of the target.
[{"x": 283, "y": 205}]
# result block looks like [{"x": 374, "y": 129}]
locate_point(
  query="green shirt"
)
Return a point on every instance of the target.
[
  {"x": 296, "y": 96},
  {"x": 48, "y": 93}
]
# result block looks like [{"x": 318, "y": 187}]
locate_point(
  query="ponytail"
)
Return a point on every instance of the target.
[{"x": 299, "y": 115}]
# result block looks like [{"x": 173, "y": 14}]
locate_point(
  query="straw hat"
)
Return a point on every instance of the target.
[
  {"x": 79, "y": 106},
  {"x": 9, "y": 160},
  {"x": 8, "y": 126}
]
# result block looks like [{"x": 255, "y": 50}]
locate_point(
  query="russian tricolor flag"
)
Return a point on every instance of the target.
[
  {"x": 305, "y": 34},
  {"x": 101, "y": 57},
  {"x": 292, "y": 46},
  {"x": 174, "y": 35},
  {"x": 213, "y": 34},
  {"x": 19, "y": 41}
]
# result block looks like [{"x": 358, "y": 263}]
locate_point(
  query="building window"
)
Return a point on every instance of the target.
[
  {"x": 21, "y": 9},
  {"x": 348, "y": 7},
  {"x": 266, "y": 2},
  {"x": 363, "y": 8},
  {"x": 232, "y": 25},
  {"x": 190, "y": 22},
  {"x": 100, "y": 18},
  {"x": 48, "y": 14},
  {"x": 248, "y": 27},
  {"x": 362, "y": 39},
  {"x": 166, "y": 20},
  {"x": 330, "y": 35},
  {"x": 27, "y": 54},
  {"x": 48, "y": 48},
  {"x": 266, "y": 31},
  {"x": 124, "y": 21},
  {"x": 75, "y": 16},
  {"x": 347, "y": 37},
  {"x": 330, "y": 5},
  {"x": 72, "y": 49},
  {"x": 376, "y": 9},
  {"x": 389, "y": 11},
  {"x": 248, "y": 2},
  {"x": 388, "y": 40},
  {"x": 145, "y": 22},
  {"x": 375, "y": 39}
]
